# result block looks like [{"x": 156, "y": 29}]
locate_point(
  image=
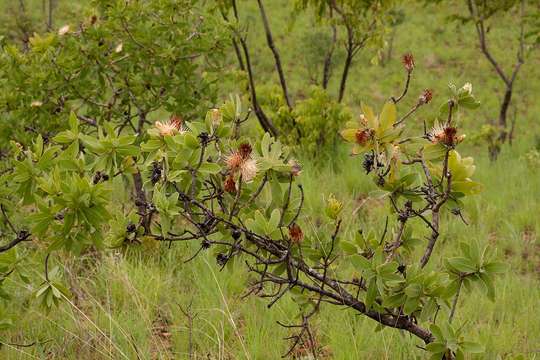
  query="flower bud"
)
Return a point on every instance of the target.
[
  {"x": 333, "y": 207},
  {"x": 426, "y": 97},
  {"x": 295, "y": 233},
  {"x": 216, "y": 117},
  {"x": 408, "y": 62}
]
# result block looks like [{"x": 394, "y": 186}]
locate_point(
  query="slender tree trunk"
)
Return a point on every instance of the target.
[
  {"x": 50, "y": 17},
  {"x": 275, "y": 52},
  {"x": 345, "y": 74},
  {"x": 327, "y": 71},
  {"x": 238, "y": 55},
  {"x": 504, "y": 112},
  {"x": 265, "y": 122}
]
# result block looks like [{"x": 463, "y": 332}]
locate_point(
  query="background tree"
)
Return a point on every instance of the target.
[
  {"x": 363, "y": 21},
  {"x": 484, "y": 15}
]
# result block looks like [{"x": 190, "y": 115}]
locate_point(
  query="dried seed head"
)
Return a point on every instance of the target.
[
  {"x": 408, "y": 62},
  {"x": 222, "y": 259},
  {"x": 230, "y": 185},
  {"x": 131, "y": 227},
  {"x": 369, "y": 162},
  {"x": 295, "y": 233}
]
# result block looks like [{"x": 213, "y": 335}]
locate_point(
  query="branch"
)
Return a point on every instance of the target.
[{"x": 277, "y": 58}]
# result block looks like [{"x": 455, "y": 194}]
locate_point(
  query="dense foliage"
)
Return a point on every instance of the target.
[
  {"x": 122, "y": 63},
  {"x": 112, "y": 138}
]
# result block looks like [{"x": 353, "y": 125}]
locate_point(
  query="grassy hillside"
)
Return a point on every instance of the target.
[{"x": 149, "y": 304}]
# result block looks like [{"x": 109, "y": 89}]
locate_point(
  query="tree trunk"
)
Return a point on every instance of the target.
[
  {"x": 503, "y": 124},
  {"x": 277, "y": 58},
  {"x": 344, "y": 76},
  {"x": 328, "y": 60}
]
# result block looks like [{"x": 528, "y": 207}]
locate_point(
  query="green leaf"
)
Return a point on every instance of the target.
[
  {"x": 191, "y": 141},
  {"x": 348, "y": 247},
  {"x": 388, "y": 116},
  {"x": 209, "y": 168},
  {"x": 461, "y": 264},
  {"x": 472, "y": 347},
  {"x": 495, "y": 267},
  {"x": 360, "y": 262},
  {"x": 372, "y": 293},
  {"x": 436, "y": 347},
  {"x": 370, "y": 116}
]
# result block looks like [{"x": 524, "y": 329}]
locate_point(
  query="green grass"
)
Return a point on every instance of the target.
[{"x": 128, "y": 305}]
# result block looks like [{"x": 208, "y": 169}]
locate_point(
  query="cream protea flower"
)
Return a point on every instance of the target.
[
  {"x": 240, "y": 161},
  {"x": 63, "y": 30},
  {"x": 249, "y": 169},
  {"x": 36, "y": 103},
  {"x": 171, "y": 127},
  {"x": 467, "y": 88},
  {"x": 436, "y": 132},
  {"x": 446, "y": 135},
  {"x": 119, "y": 48}
]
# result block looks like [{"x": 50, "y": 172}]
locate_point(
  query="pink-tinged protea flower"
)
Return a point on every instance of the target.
[
  {"x": 295, "y": 233},
  {"x": 446, "y": 135},
  {"x": 426, "y": 96},
  {"x": 240, "y": 161},
  {"x": 408, "y": 62},
  {"x": 234, "y": 160},
  {"x": 296, "y": 168},
  {"x": 171, "y": 127}
]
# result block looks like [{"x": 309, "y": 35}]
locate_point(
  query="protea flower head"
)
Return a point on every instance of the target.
[
  {"x": 446, "y": 135},
  {"x": 362, "y": 136},
  {"x": 234, "y": 161},
  {"x": 216, "y": 117},
  {"x": 249, "y": 169},
  {"x": 240, "y": 161},
  {"x": 171, "y": 127}
]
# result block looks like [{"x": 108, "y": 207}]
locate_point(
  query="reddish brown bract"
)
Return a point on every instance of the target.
[{"x": 295, "y": 233}]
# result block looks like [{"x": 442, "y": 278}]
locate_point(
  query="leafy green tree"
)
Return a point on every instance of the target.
[
  {"x": 484, "y": 15},
  {"x": 364, "y": 23},
  {"x": 241, "y": 198},
  {"x": 124, "y": 63}
]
